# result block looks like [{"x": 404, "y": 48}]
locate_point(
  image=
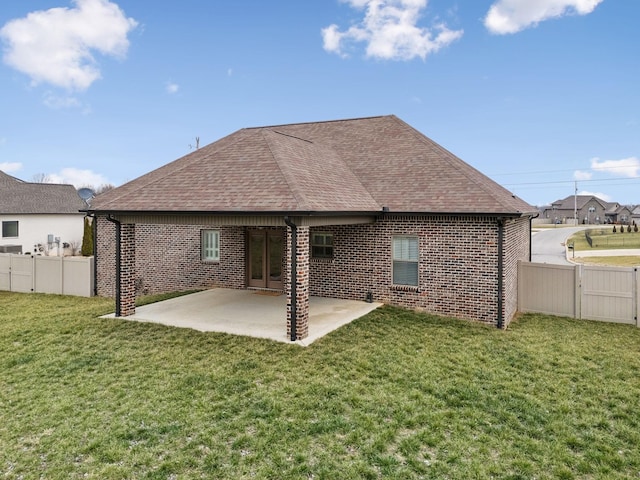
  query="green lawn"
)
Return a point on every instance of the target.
[
  {"x": 395, "y": 394},
  {"x": 621, "y": 261},
  {"x": 603, "y": 238}
]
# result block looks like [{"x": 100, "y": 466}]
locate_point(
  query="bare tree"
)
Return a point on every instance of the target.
[
  {"x": 41, "y": 178},
  {"x": 105, "y": 187},
  {"x": 197, "y": 146}
]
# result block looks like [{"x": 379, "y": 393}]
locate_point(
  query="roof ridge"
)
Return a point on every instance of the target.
[
  {"x": 355, "y": 119},
  {"x": 187, "y": 163},
  {"x": 302, "y": 202},
  {"x": 307, "y": 153},
  {"x": 447, "y": 157},
  {"x": 292, "y": 136},
  {"x": 6, "y": 176}
]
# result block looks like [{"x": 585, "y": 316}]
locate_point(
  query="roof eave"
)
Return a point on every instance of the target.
[
  {"x": 310, "y": 213},
  {"x": 306, "y": 213},
  {"x": 464, "y": 214}
]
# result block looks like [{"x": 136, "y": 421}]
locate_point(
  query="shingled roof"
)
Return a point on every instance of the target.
[
  {"x": 359, "y": 165},
  {"x": 578, "y": 201},
  {"x": 19, "y": 197}
]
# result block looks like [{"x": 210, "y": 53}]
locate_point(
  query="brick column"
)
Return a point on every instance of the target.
[
  {"x": 127, "y": 269},
  {"x": 302, "y": 282}
]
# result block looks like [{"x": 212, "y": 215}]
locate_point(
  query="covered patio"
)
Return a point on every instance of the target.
[{"x": 253, "y": 313}]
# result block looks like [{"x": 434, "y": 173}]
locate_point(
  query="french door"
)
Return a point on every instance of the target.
[{"x": 265, "y": 258}]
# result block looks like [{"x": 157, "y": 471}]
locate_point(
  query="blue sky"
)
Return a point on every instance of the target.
[{"x": 534, "y": 93}]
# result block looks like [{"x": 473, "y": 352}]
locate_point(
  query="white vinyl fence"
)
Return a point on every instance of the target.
[
  {"x": 608, "y": 294},
  {"x": 39, "y": 274}
]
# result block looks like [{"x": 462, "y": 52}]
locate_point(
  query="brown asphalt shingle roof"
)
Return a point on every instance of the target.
[
  {"x": 359, "y": 165},
  {"x": 18, "y": 197}
]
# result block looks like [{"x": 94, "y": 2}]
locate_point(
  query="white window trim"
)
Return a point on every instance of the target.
[
  {"x": 210, "y": 253},
  {"x": 406, "y": 260}
]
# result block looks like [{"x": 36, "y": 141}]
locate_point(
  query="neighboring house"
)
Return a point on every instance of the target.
[
  {"x": 619, "y": 213},
  {"x": 589, "y": 208},
  {"x": 360, "y": 209},
  {"x": 635, "y": 214},
  {"x": 39, "y": 218}
]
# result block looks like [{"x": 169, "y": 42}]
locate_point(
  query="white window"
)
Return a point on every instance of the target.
[
  {"x": 10, "y": 229},
  {"x": 405, "y": 261},
  {"x": 210, "y": 245},
  {"x": 322, "y": 245}
]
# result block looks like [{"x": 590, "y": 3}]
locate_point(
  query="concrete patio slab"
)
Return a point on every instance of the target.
[{"x": 249, "y": 312}]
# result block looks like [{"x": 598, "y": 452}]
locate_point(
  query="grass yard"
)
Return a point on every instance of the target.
[
  {"x": 604, "y": 239},
  {"x": 621, "y": 261},
  {"x": 395, "y": 394}
]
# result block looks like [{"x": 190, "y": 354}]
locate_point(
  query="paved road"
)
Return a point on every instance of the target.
[{"x": 547, "y": 244}]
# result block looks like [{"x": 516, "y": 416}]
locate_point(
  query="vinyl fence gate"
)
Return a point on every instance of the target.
[
  {"x": 608, "y": 294},
  {"x": 40, "y": 274}
]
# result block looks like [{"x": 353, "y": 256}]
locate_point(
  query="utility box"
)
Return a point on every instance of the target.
[{"x": 10, "y": 248}]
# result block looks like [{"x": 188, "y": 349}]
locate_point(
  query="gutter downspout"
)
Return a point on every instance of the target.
[
  {"x": 500, "y": 271},
  {"x": 94, "y": 229},
  {"x": 294, "y": 275},
  {"x": 530, "y": 238},
  {"x": 118, "y": 290},
  {"x": 531, "y": 235}
]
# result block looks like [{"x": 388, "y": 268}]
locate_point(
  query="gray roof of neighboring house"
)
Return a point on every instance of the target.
[
  {"x": 19, "y": 197},
  {"x": 619, "y": 209},
  {"x": 578, "y": 201},
  {"x": 342, "y": 166}
]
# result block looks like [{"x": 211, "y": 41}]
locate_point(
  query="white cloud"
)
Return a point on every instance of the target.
[
  {"x": 582, "y": 175},
  {"x": 600, "y": 195},
  {"x": 389, "y": 29},
  {"x": 76, "y": 177},
  {"x": 10, "y": 166},
  {"x": 627, "y": 167},
  {"x": 56, "y": 46},
  {"x": 511, "y": 16},
  {"x": 172, "y": 88},
  {"x": 57, "y": 102},
  {"x": 229, "y": 72}
]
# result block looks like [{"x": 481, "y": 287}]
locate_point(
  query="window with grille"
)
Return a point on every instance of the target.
[
  {"x": 210, "y": 245},
  {"x": 405, "y": 261},
  {"x": 322, "y": 245}
]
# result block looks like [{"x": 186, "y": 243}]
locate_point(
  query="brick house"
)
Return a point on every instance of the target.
[
  {"x": 589, "y": 209},
  {"x": 359, "y": 209},
  {"x": 622, "y": 214}
]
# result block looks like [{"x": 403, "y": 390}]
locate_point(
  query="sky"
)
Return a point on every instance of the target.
[{"x": 543, "y": 96}]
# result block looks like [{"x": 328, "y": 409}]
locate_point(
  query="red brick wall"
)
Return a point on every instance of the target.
[
  {"x": 105, "y": 258},
  {"x": 516, "y": 247},
  {"x": 302, "y": 286},
  {"x": 458, "y": 269},
  {"x": 127, "y": 269},
  {"x": 168, "y": 258}
]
